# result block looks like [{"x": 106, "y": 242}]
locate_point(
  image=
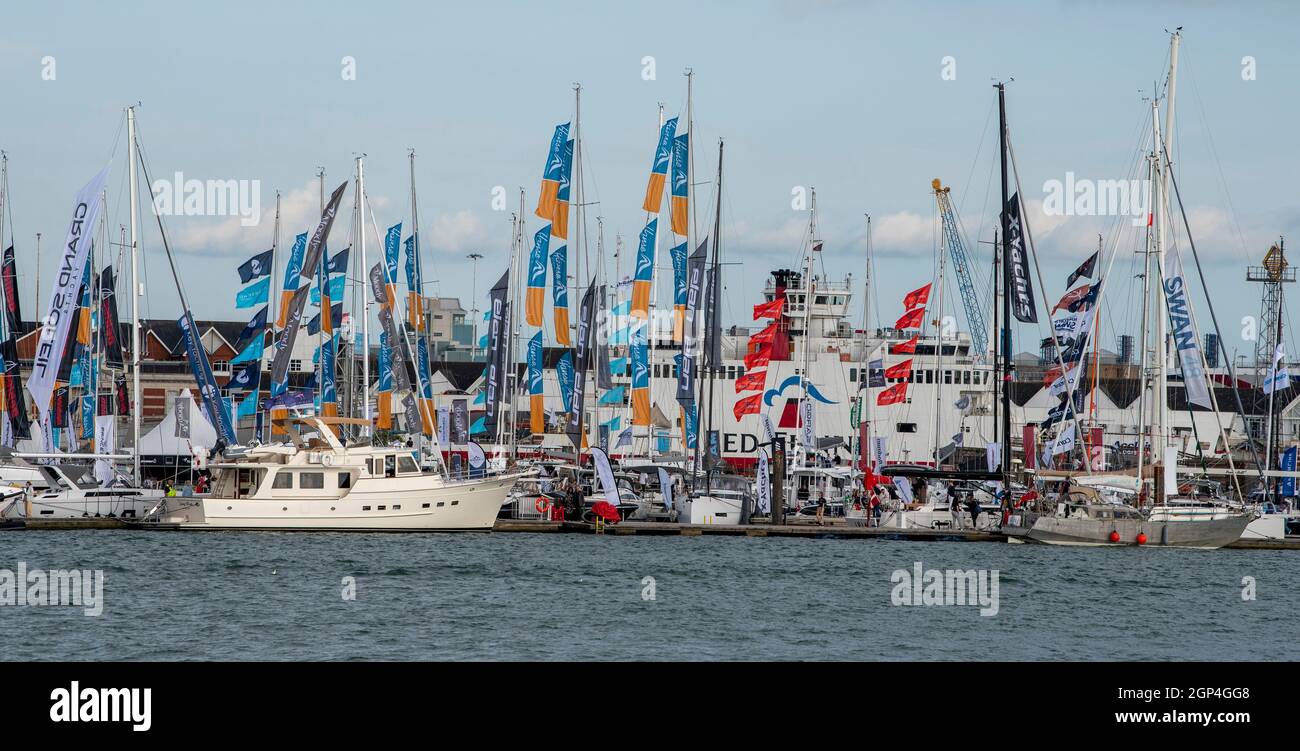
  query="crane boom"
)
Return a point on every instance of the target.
[{"x": 961, "y": 262}]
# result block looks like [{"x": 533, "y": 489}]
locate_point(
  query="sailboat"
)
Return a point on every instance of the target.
[{"x": 1082, "y": 514}]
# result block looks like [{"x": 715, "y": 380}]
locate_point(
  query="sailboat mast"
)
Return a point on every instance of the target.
[
  {"x": 1143, "y": 373},
  {"x": 654, "y": 322},
  {"x": 866, "y": 330},
  {"x": 135, "y": 296},
  {"x": 809, "y": 291},
  {"x": 1006, "y": 299},
  {"x": 365, "y": 303},
  {"x": 715, "y": 277},
  {"x": 938, "y": 347}
]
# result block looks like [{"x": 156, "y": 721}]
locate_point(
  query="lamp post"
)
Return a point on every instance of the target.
[{"x": 473, "y": 313}]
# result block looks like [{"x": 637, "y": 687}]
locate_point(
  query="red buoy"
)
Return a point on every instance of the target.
[
  {"x": 1114, "y": 536},
  {"x": 1142, "y": 538}
]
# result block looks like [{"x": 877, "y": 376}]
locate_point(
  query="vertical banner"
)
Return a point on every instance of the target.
[
  {"x": 678, "y": 254},
  {"x": 807, "y": 425},
  {"x": 560, "y": 219},
  {"x": 202, "y": 370},
  {"x": 1028, "y": 438},
  {"x": 292, "y": 268},
  {"x": 1016, "y": 269},
  {"x": 993, "y": 456},
  {"x": 560, "y": 294},
  {"x": 289, "y": 333},
  {"x": 603, "y": 471},
  {"x": 643, "y": 277},
  {"x": 459, "y": 422},
  {"x": 690, "y": 337},
  {"x": 181, "y": 409},
  {"x": 64, "y": 291},
  {"x": 550, "y": 191},
  {"x": 1182, "y": 329},
  {"x": 586, "y": 321},
  {"x": 444, "y": 426},
  {"x": 763, "y": 485},
  {"x": 654, "y": 191},
  {"x": 564, "y": 375},
  {"x": 110, "y": 330},
  {"x": 536, "y": 397},
  {"x": 105, "y": 443},
  {"x": 681, "y": 184},
  {"x": 879, "y": 453},
  {"x": 1286, "y": 488},
  {"x": 535, "y": 301},
  {"x": 666, "y": 488},
  {"x": 316, "y": 245},
  {"x": 640, "y": 353},
  {"x": 498, "y": 337}
]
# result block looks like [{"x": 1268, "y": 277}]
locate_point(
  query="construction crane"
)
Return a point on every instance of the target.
[{"x": 979, "y": 332}]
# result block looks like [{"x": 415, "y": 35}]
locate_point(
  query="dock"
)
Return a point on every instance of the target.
[{"x": 798, "y": 530}]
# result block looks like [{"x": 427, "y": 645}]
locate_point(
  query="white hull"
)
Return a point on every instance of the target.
[
  {"x": 123, "y": 503},
  {"x": 712, "y": 510},
  {"x": 427, "y": 504}
]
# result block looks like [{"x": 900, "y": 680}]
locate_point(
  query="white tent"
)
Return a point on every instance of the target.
[{"x": 162, "y": 440}]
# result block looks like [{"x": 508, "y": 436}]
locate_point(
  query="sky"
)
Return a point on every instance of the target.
[{"x": 866, "y": 102}]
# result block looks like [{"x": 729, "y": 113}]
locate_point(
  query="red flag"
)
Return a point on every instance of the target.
[
  {"x": 892, "y": 395},
  {"x": 752, "y": 380},
  {"x": 748, "y": 405},
  {"x": 904, "y": 348},
  {"x": 765, "y": 336},
  {"x": 901, "y": 370},
  {"x": 911, "y": 319},
  {"x": 1052, "y": 374},
  {"x": 758, "y": 358},
  {"x": 917, "y": 297},
  {"x": 769, "y": 309}
]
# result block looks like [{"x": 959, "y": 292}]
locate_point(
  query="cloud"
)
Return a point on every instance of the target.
[{"x": 903, "y": 233}]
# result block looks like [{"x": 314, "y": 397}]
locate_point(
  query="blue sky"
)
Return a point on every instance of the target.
[{"x": 841, "y": 96}]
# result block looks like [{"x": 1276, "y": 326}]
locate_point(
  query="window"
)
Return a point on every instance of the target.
[
  {"x": 905, "y": 427},
  {"x": 390, "y": 466},
  {"x": 221, "y": 365},
  {"x": 283, "y": 480},
  {"x": 853, "y": 375},
  {"x": 311, "y": 480},
  {"x": 406, "y": 464},
  {"x": 821, "y": 300},
  {"x": 295, "y": 366},
  {"x": 345, "y": 479}
]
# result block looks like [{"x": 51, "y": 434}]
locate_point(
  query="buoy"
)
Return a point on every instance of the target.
[
  {"x": 1142, "y": 538},
  {"x": 1114, "y": 536},
  {"x": 542, "y": 504}
]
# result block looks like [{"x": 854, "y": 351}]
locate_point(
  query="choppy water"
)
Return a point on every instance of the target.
[{"x": 264, "y": 596}]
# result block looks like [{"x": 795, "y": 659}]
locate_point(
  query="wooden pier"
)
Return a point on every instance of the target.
[{"x": 798, "y": 530}]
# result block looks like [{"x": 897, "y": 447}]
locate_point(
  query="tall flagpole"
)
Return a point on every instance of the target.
[{"x": 365, "y": 302}]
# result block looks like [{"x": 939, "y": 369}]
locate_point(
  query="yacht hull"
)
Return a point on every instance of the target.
[
  {"x": 712, "y": 510},
  {"x": 428, "y": 506},
  {"x": 1207, "y": 535}
]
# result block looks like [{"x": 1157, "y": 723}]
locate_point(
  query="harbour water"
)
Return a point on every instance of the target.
[{"x": 269, "y": 596}]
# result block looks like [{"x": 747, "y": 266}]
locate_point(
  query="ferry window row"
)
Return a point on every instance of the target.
[
  {"x": 950, "y": 377},
  {"x": 728, "y": 373}
]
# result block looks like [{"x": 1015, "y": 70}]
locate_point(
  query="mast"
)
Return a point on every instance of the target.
[
  {"x": 866, "y": 329},
  {"x": 997, "y": 298},
  {"x": 136, "y": 289},
  {"x": 653, "y": 321},
  {"x": 365, "y": 301},
  {"x": 1006, "y": 300},
  {"x": 1160, "y": 401},
  {"x": 715, "y": 277},
  {"x": 1143, "y": 373}
]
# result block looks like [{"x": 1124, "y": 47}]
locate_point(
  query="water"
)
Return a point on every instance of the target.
[{"x": 267, "y": 596}]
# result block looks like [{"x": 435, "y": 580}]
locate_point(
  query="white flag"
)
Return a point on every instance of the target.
[
  {"x": 1278, "y": 377},
  {"x": 1183, "y": 330},
  {"x": 764, "y": 484},
  {"x": 808, "y": 432},
  {"x": 904, "y": 486},
  {"x": 606, "y": 475},
  {"x": 105, "y": 443},
  {"x": 64, "y": 297},
  {"x": 1066, "y": 383}
]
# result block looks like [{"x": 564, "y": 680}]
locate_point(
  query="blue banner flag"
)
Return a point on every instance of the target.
[
  {"x": 257, "y": 266},
  {"x": 251, "y": 353},
  {"x": 202, "y": 370},
  {"x": 254, "y": 294}
]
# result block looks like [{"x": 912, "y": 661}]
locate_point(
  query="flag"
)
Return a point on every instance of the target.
[
  {"x": 560, "y": 294},
  {"x": 681, "y": 184},
  {"x": 392, "y": 258},
  {"x": 316, "y": 245},
  {"x": 537, "y": 417},
  {"x": 748, "y": 405},
  {"x": 618, "y": 366},
  {"x": 1085, "y": 269},
  {"x": 534, "y": 304},
  {"x": 250, "y": 353},
  {"x": 284, "y": 351},
  {"x": 333, "y": 290},
  {"x": 560, "y": 219},
  {"x": 63, "y": 295},
  {"x": 1016, "y": 269},
  {"x": 202, "y": 371},
  {"x": 690, "y": 335},
  {"x": 247, "y": 377},
  {"x": 678, "y": 253},
  {"x": 904, "y": 348},
  {"x": 339, "y": 263},
  {"x": 549, "y": 195},
  {"x": 892, "y": 395},
  {"x": 564, "y": 375},
  {"x": 254, "y": 294},
  {"x": 615, "y": 395},
  {"x": 912, "y": 319},
  {"x": 248, "y": 405},
  {"x": 1278, "y": 377},
  {"x": 624, "y": 439},
  {"x": 752, "y": 380},
  {"x": 644, "y": 276},
  {"x": 293, "y": 266},
  {"x": 901, "y": 370},
  {"x": 771, "y": 309},
  {"x": 255, "y": 327},
  {"x": 876, "y": 368},
  {"x": 1072, "y": 298},
  {"x": 258, "y": 265},
  {"x": 336, "y": 319},
  {"x": 640, "y": 353},
  {"x": 654, "y": 191},
  {"x": 758, "y": 358},
  {"x": 575, "y": 430},
  {"x": 917, "y": 297},
  {"x": 763, "y": 337}
]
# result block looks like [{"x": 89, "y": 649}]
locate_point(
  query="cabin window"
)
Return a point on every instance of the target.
[
  {"x": 853, "y": 375},
  {"x": 390, "y": 465},
  {"x": 283, "y": 481},
  {"x": 947, "y": 377},
  {"x": 370, "y": 467},
  {"x": 345, "y": 479},
  {"x": 905, "y": 427},
  {"x": 311, "y": 480},
  {"x": 821, "y": 300},
  {"x": 406, "y": 465}
]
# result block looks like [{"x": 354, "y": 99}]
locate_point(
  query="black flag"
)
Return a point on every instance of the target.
[
  {"x": 498, "y": 344},
  {"x": 1085, "y": 270},
  {"x": 582, "y": 353},
  {"x": 1016, "y": 269}
]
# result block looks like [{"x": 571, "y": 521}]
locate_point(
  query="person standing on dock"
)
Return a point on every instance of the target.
[{"x": 821, "y": 506}]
